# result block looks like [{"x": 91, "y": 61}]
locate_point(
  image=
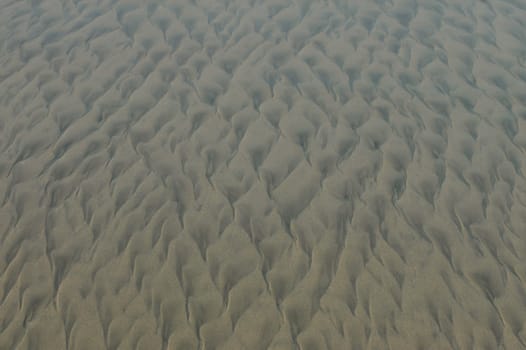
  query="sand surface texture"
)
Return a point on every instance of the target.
[{"x": 264, "y": 174}]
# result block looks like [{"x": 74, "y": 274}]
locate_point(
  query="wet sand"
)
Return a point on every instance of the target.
[{"x": 265, "y": 174}]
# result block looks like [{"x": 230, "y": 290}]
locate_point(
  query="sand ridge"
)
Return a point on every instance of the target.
[{"x": 274, "y": 174}]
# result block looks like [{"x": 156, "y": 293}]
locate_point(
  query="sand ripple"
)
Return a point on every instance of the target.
[{"x": 265, "y": 174}]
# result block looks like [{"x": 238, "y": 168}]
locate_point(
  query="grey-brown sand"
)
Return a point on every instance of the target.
[{"x": 263, "y": 174}]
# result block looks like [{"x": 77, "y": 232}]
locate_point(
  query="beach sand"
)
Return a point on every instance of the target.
[{"x": 263, "y": 174}]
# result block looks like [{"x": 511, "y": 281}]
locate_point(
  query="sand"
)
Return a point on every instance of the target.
[{"x": 263, "y": 174}]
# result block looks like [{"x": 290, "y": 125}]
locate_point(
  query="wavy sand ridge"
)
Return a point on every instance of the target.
[{"x": 263, "y": 174}]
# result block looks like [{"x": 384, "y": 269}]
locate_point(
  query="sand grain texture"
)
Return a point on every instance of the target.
[{"x": 265, "y": 174}]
